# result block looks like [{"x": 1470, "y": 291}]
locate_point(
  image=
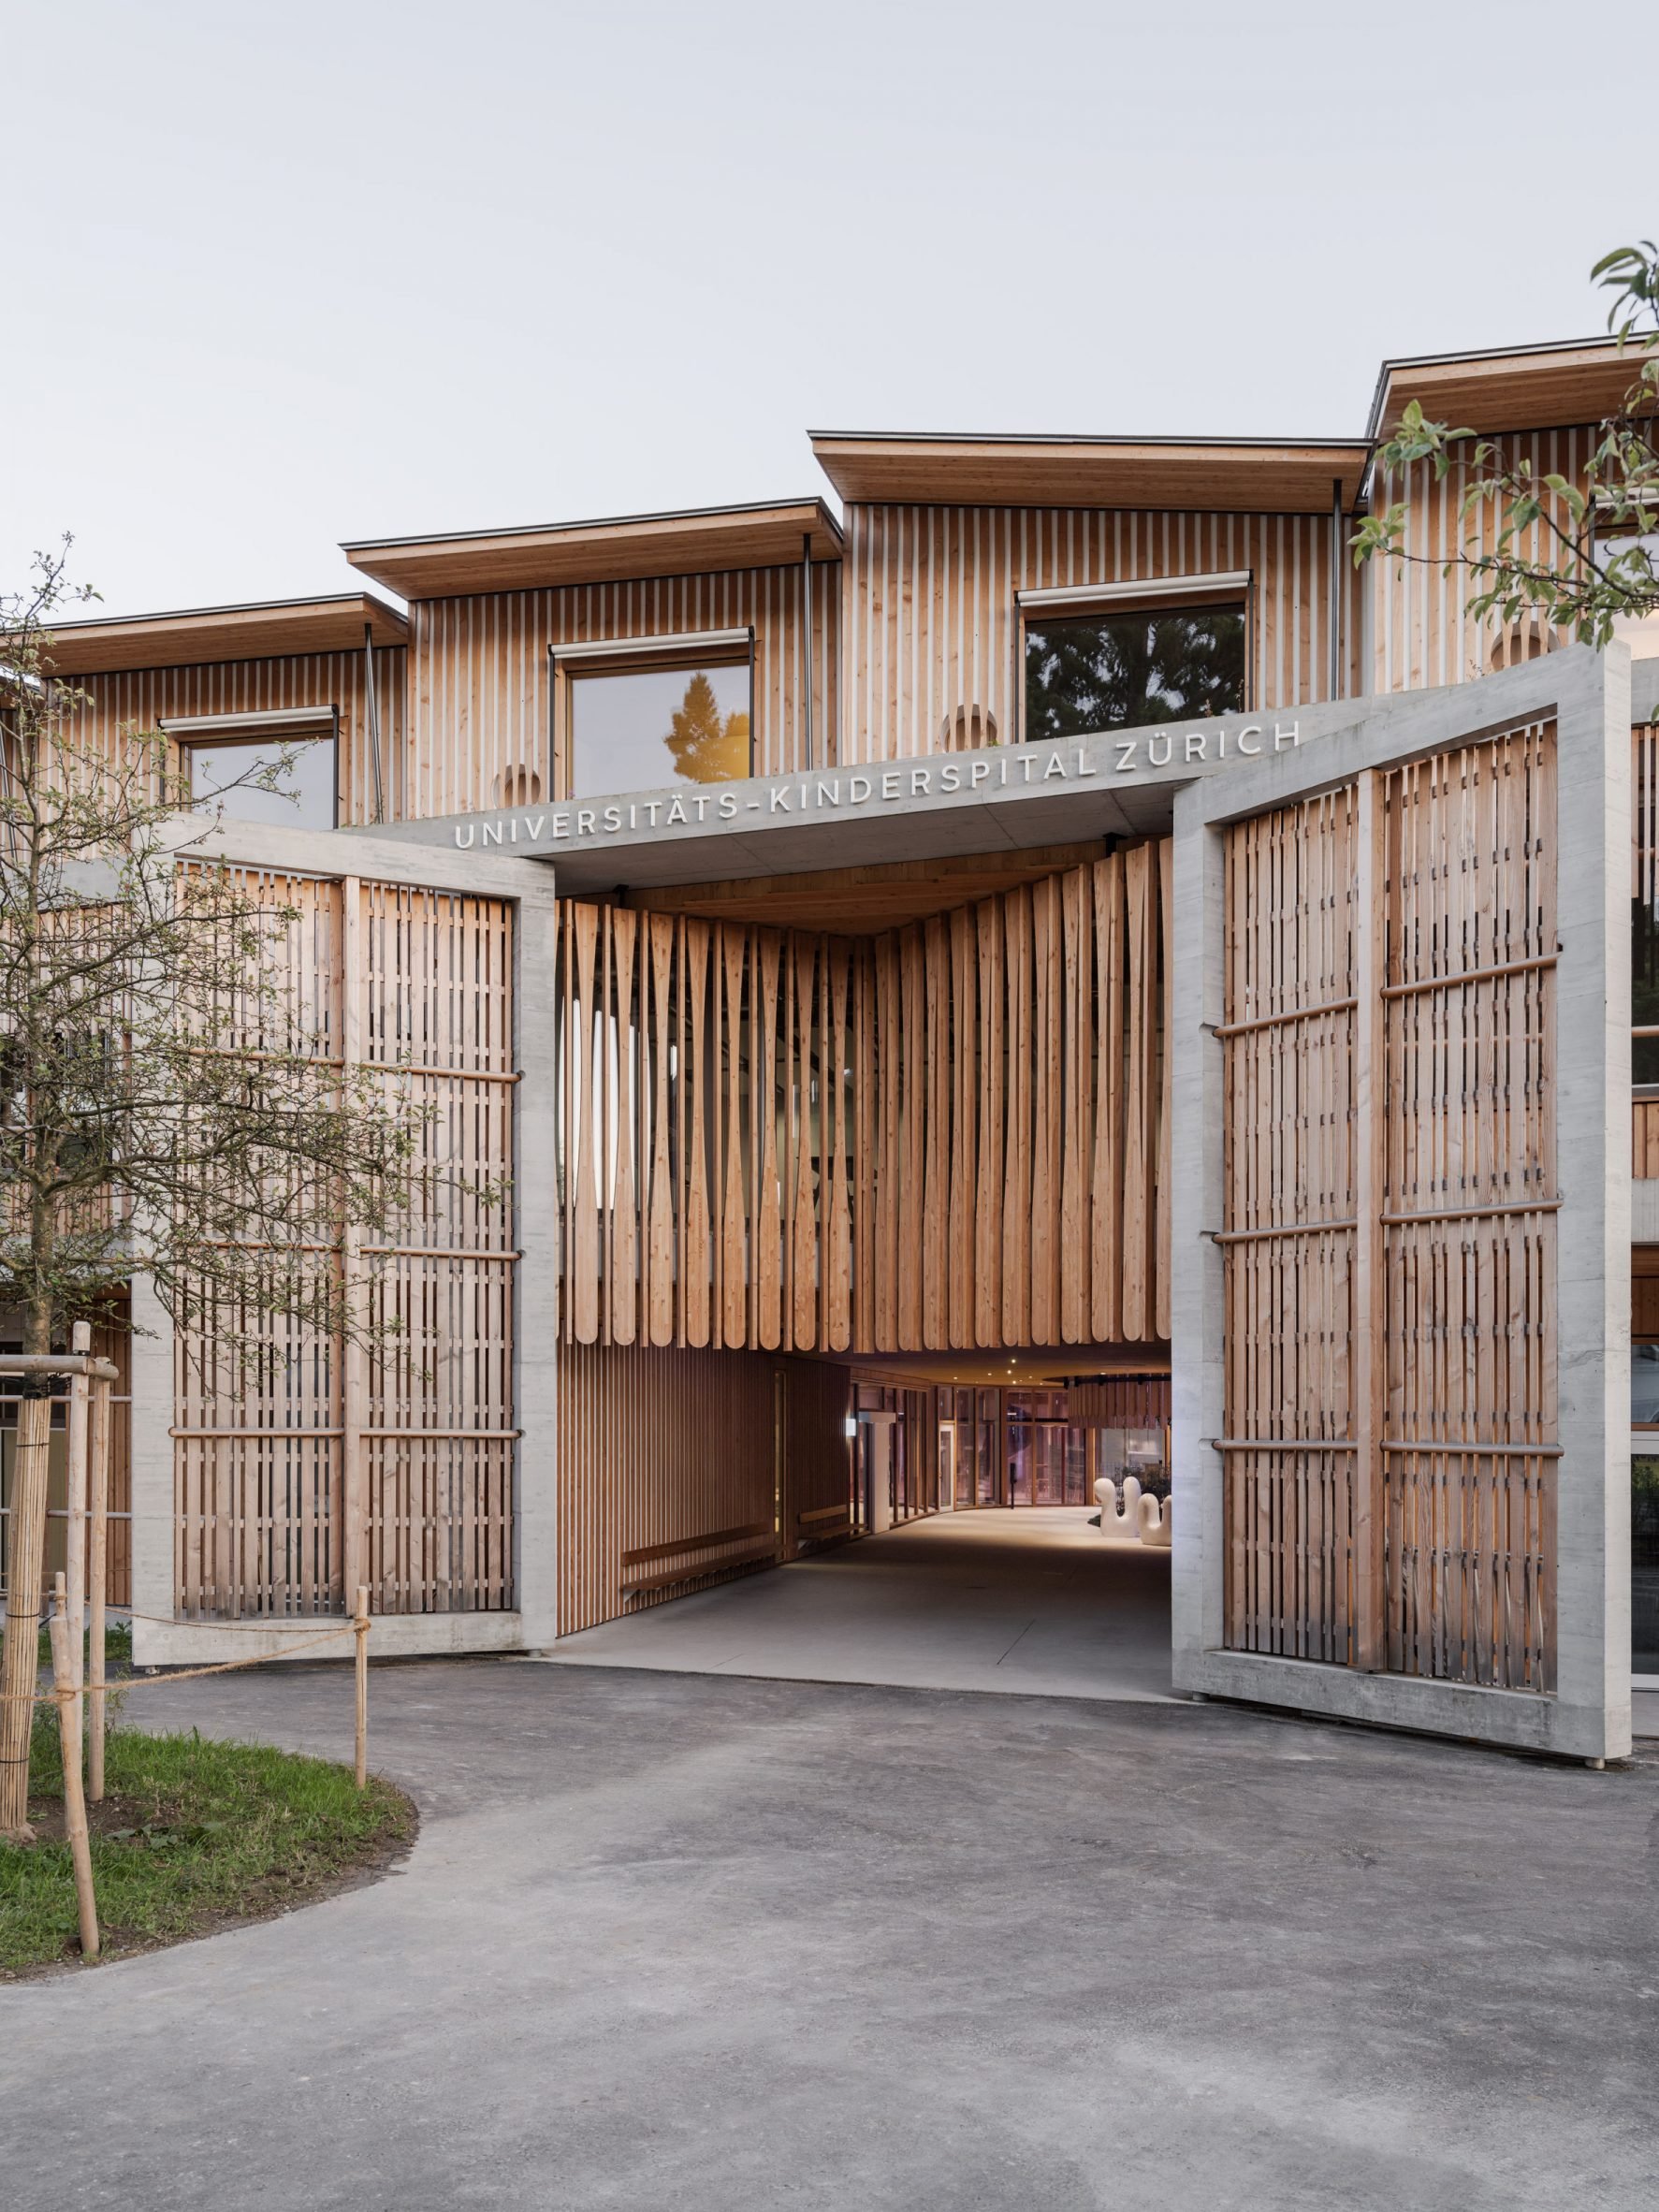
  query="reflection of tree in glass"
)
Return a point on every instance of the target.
[
  {"x": 1115, "y": 672},
  {"x": 707, "y": 747}
]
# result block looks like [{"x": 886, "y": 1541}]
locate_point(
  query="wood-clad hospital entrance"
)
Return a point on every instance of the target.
[
  {"x": 821, "y": 1183},
  {"x": 1046, "y": 981}
]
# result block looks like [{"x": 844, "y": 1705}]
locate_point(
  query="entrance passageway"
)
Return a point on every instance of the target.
[{"x": 1034, "y": 1603}]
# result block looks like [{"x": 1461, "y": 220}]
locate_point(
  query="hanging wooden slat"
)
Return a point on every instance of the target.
[{"x": 950, "y": 1133}]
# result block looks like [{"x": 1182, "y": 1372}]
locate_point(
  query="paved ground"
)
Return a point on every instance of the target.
[
  {"x": 1036, "y": 1602},
  {"x": 699, "y": 1945}
]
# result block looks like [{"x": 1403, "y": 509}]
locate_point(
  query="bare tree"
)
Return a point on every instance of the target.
[
  {"x": 1577, "y": 556},
  {"x": 167, "y": 1100}
]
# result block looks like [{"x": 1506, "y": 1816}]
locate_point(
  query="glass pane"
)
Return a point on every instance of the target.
[
  {"x": 1644, "y": 1566},
  {"x": 1049, "y": 1466},
  {"x": 1113, "y": 672},
  {"x": 1644, "y": 1386},
  {"x": 305, "y": 800},
  {"x": 654, "y": 727},
  {"x": 1637, "y": 557}
]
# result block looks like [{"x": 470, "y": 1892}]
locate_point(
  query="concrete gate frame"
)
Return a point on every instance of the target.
[
  {"x": 1588, "y": 695},
  {"x": 160, "y": 1639}
]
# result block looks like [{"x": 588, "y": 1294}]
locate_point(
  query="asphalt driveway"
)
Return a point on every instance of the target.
[{"x": 688, "y": 1941}]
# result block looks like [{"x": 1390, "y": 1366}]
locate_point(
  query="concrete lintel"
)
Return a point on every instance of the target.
[
  {"x": 1118, "y": 783},
  {"x": 391, "y": 1635},
  {"x": 375, "y": 853},
  {"x": 1409, "y": 725},
  {"x": 1518, "y": 1719}
]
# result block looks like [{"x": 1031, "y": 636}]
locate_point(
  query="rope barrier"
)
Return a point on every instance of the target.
[{"x": 184, "y": 1674}]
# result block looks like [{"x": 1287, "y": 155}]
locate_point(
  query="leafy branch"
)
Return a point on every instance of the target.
[{"x": 1582, "y": 556}]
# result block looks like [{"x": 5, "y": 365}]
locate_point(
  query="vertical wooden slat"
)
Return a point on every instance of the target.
[{"x": 1368, "y": 1296}]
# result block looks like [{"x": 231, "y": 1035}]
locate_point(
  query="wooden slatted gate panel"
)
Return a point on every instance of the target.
[
  {"x": 318, "y": 1465},
  {"x": 1390, "y": 1266},
  {"x": 950, "y": 1135},
  {"x": 1644, "y": 897}
]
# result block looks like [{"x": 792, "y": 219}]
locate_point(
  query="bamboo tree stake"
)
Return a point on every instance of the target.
[
  {"x": 75, "y": 1548},
  {"x": 74, "y": 1793},
  {"x": 97, "y": 1572},
  {"x": 362, "y": 1625}
]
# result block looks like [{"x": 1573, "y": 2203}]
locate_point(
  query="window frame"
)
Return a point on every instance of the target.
[
  {"x": 1219, "y": 588},
  {"x": 688, "y": 649},
  {"x": 285, "y": 725}
]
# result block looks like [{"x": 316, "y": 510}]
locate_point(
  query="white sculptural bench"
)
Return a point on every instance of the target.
[{"x": 1140, "y": 1514}]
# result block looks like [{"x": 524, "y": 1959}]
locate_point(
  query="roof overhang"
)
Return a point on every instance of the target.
[
  {"x": 625, "y": 548},
  {"x": 264, "y": 631},
  {"x": 1233, "y": 476},
  {"x": 1533, "y": 387}
]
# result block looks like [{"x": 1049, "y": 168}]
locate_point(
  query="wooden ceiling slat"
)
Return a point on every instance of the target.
[{"x": 865, "y": 901}]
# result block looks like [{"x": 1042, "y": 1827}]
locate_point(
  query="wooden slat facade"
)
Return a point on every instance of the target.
[
  {"x": 480, "y": 676},
  {"x": 321, "y": 1467},
  {"x": 1419, "y": 632},
  {"x": 1391, "y": 1378},
  {"x": 1120, "y": 1402},
  {"x": 146, "y": 696},
  {"x": 945, "y": 1136},
  {"x": 931, "y": 625}
]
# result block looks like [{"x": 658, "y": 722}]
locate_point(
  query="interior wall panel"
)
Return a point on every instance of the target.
[{"x": 668, "y": 1472}]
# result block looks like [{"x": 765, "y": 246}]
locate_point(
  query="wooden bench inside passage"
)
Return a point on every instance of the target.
[
  {"x": 757, "y": 1538},
  {"x": 825, "y": 1524}
]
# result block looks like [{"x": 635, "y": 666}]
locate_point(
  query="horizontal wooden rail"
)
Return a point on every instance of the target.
[
  {"x": 1541, "y": 1451},
  {"x": 1283, "y": 1444},
  {"x": 190, "y": 1434},
  {"x": 754, "y": 1555},
  {"x": 486, "y": 1436},
  {"x": 677, "y": 1544},
  {"x": 434, "y": 1252},
  {"x": 1308, "y": 1228},
  {"x": 222, "y": 1052},
  {"x": 1471, "y": 975},
  {"x": 376, "y": 1251},
  {"x": 1274, "y": 1021},
  {"x": 447, "y": 1435},
  {"x": 1473, "y": 1213},
  {"x": 1286, "y": 1229},
  {"x": 1475, "y": 1451},
  {"x": 824, "y": 1513}
]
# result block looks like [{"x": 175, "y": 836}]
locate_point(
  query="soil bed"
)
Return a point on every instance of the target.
[{"x": 194, "y": 1835}]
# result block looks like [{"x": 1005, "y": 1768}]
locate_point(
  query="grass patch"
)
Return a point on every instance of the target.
[{"x": 194, "y": 1835}]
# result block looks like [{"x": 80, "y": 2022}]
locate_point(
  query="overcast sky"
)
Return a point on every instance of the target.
[{"x": 289, "y": 274}]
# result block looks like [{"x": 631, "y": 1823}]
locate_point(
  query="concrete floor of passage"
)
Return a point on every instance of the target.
[
  {"x": 1034, "y": 1602},
  {"x": 697, "y": 1945}
]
